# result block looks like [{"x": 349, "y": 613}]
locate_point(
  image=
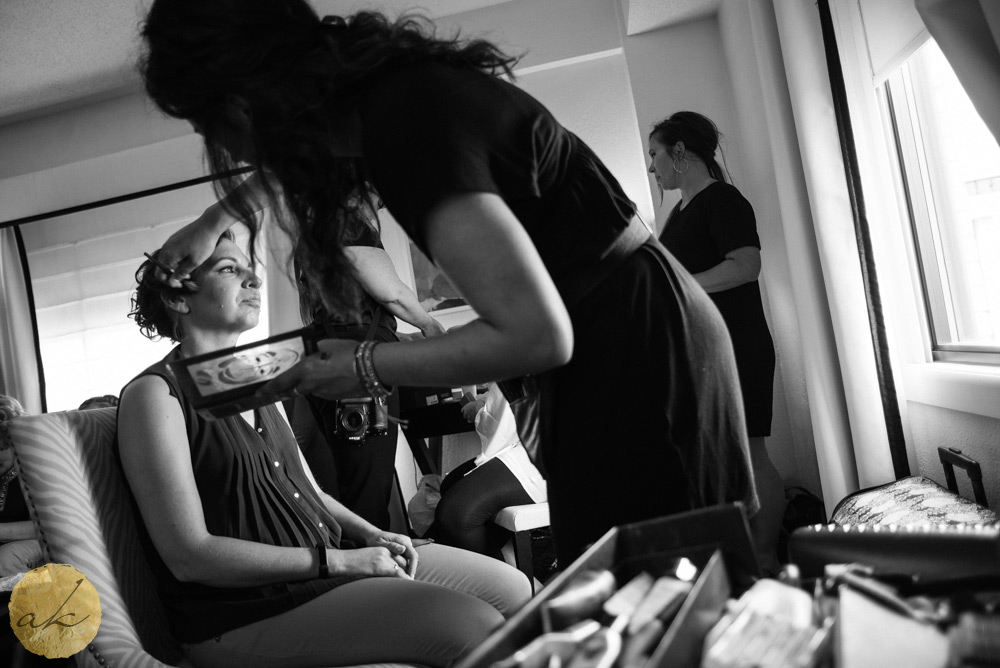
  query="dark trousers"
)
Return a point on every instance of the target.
[{"x": 463, "y": 517}]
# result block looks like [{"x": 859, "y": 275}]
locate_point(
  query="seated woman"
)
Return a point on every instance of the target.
[
  {"x": 502, "y": 475},
  {"x": 256, "y": 565},
  {"x": 20, "y": 551}
]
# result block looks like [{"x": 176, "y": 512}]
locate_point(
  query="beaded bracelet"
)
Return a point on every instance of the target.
[{"x": 364, "y": 369}]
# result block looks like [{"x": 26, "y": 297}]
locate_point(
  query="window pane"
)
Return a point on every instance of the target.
[
  {"x": 83, "y": 275},
  {"x": 961, "y": 163}
]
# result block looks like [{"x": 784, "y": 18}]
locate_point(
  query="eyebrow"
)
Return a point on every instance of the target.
[{"x": 210, "y": 264}]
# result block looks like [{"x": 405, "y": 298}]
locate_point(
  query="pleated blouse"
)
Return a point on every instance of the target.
[{"x": 253, "y": 487}]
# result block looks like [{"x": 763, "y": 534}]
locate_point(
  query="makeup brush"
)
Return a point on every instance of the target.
[{"x": 187, "y": 283}]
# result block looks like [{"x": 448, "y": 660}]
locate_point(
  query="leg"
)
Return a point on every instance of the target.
[
  {"x": 491, "y": 580},
  {"x": 374, "y": 620},
  {"x": 766, "y": 524},
  {"x": 464, "y": 515}
]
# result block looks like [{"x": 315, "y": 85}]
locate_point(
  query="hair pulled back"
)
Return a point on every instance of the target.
[
  {"x": 298, "y": 74},
  {"x": 699, "y": 134},
  {"x": 149, "y": 304}
]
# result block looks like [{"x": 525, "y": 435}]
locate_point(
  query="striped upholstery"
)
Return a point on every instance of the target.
[{"x": 82, "y": 511}]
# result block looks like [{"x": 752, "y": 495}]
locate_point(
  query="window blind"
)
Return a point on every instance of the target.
[{"x": 82, "y": 268}]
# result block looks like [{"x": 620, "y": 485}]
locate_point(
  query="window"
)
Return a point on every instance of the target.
[
  {"x": 82, "y": 268},
  {"x": 950, "y": 169}
]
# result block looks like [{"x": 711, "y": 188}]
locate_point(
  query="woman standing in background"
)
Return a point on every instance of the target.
[{"x": 713, "y": 232}]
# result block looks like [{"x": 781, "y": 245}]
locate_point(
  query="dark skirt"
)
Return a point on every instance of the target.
[{"x": 646, "y": 419}]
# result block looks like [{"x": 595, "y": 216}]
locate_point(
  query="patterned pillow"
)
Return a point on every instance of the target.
[
  {"x": 82, "y": 510},
  {"x": 913, "y": 500}
]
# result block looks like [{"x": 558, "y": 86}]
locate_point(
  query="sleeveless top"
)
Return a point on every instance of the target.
[{"x": 253, "y": 487}]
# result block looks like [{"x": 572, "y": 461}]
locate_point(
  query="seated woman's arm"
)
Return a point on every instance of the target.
[
  {"x": 156, "y": 458},
  {"x": 11, "y": 531}
]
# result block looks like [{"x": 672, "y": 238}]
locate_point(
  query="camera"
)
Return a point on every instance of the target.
[{"x": 358, "y": 417}]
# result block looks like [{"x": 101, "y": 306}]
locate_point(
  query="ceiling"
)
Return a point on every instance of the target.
[{"x": 59, "y": 53}]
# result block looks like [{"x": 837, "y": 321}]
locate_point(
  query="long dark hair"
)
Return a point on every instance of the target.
[
  {"x": 699, "y": 134},
  {"x": 298, "y": 75}
]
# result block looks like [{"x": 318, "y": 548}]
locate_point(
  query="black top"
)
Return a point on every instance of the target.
[
  {"x": 647, "y": 340},
  {"x": 338, "y": 326},
  {"x": 716, "y": 221},
  {"x": 252, "y": 487},
  {"x": 430, "y": 131}
]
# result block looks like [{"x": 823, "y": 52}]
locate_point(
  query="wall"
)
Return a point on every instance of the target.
[{"x": 976, "y": 436}]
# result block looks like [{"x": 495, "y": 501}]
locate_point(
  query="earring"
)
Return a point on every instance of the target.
[{"x": 687, "y": 165}]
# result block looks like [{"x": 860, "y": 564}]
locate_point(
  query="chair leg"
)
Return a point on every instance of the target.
[{"x": 522, "y": 556}]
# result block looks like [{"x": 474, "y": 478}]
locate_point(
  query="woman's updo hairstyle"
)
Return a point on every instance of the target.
[
  {"x": 699, "y": 134},
  {"x": 149, "y": 302}
]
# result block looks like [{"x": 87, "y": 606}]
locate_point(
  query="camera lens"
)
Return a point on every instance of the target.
[{"x": 353, "y": 420}]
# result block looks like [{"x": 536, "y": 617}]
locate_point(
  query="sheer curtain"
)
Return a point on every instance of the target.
[
  {"x": 855, "y": 454},
  {"x": 19, "y": 373},
  {"x": 968, "y": 32}
]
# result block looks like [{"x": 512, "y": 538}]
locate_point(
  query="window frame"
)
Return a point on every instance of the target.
[{"x": 898, "y": 111}]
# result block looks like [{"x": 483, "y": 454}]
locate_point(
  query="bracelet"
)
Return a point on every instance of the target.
[
  {"x": 324, "y": 567},
  {"x": 364, "y": 369}
]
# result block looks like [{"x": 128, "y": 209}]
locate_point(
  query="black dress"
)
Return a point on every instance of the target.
[
  {"x": 646, "y": 419},
  {"x": 717, "y": 221},
  {"x": 360, "y": 476}
]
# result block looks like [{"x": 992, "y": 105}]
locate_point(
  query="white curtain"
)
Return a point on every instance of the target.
[
  {"x": 859, "y": 454},
  {"x": 968, "y": 32},
  {"x": 19, "y": 376}
]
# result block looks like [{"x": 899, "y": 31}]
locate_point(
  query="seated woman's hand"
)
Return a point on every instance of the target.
[
  {"x": 400, "y": 546},
  {"x": 369, "y": 562}
]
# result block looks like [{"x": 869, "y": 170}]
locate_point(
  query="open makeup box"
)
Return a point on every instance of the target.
[{"x": 715, "y": 539}]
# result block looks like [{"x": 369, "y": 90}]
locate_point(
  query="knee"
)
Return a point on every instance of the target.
[
  {"x": 454, "y": 518},
  {"x": 509, "y": 588},
  {"x": 471, "y": 625}
]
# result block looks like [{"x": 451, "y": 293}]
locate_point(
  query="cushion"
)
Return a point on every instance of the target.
[{"x": 83, "y": 512}]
